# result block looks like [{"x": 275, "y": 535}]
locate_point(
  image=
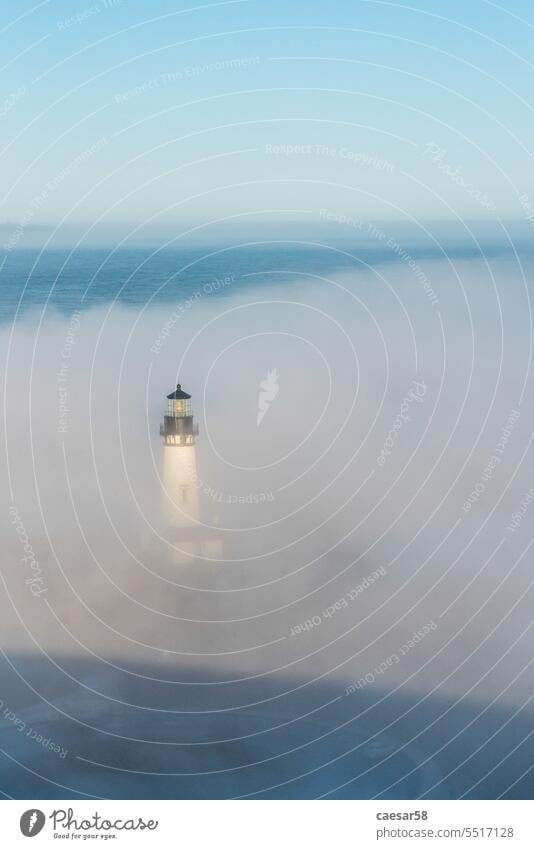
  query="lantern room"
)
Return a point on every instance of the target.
[
  {"x": 179, "y": 403},
  {"x": 178, "y": 427}
]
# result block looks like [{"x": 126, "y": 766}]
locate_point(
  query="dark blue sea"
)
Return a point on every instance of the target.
[{"x": 69, "y": 280}]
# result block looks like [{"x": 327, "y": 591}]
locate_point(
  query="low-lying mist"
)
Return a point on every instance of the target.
[{"x": 361, "y": 469}]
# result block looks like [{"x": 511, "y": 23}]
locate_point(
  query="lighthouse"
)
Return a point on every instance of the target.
[
  {"x": 181, "y": 506},
  {"x": 180, "y": 496}
]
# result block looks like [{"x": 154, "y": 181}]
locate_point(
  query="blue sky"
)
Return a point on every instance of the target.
[{"x": 120, "y": 114}]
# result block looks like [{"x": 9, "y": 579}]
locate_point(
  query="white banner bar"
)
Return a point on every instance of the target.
[{"x": 266, "y": 824}]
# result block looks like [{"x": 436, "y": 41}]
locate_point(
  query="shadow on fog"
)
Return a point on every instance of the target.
[{"x": 280, "y": 738}]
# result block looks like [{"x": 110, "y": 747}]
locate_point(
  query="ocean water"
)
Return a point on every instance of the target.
[
  {"x": 91, "y": 278},
  {"x": 66, "y": 280}
]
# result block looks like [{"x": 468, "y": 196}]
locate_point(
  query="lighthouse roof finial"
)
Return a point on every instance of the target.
[{"x": 178, "y": 394}]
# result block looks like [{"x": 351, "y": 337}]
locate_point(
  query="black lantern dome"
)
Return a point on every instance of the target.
[{"x": 178, "y": 394}]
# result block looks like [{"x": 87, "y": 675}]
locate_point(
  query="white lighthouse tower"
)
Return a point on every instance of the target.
[
  {"x": 181, "y": 487},
  {"x": 180, "y": 496}
]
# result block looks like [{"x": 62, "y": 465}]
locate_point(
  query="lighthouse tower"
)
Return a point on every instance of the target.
[
  {"x": 181, "y": 487},
  {"x": 180, "y": 496}
]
